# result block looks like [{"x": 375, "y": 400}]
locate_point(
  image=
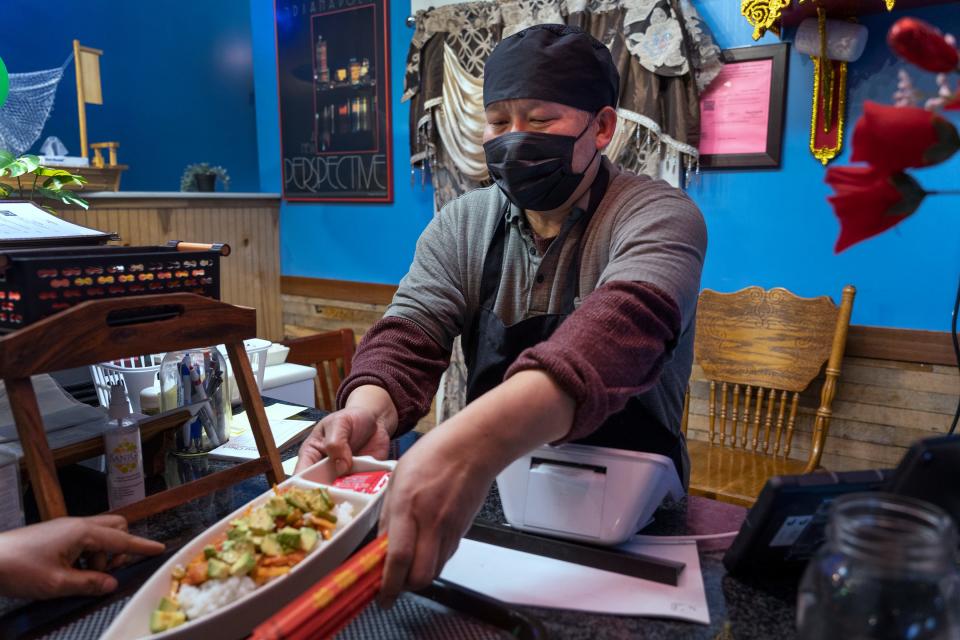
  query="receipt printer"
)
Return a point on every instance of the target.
[{"x": 591, "y": 494}]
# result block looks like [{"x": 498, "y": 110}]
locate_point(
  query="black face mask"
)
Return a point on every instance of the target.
[{"x": 534, "y": 170}]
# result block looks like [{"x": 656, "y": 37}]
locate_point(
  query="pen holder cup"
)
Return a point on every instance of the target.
[{"x": 197, "y": 379}]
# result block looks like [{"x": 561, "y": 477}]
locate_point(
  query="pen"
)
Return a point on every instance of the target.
[
  {"x": 184, "y": 398},
  {"x": 205, "y": 415},
  {"x": 217, "y": 400}
]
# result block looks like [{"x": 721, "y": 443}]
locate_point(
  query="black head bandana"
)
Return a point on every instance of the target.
[{"x": 555, "y": 63}]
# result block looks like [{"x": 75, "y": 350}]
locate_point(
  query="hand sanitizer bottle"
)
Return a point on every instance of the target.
[{"x": 122, "y": 450}]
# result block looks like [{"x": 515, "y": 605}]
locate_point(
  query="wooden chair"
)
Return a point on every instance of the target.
[
  {"x": 331, "y": 353},
  {"x": 759, "y": 349},
  {"x": 102, "y": 330}
]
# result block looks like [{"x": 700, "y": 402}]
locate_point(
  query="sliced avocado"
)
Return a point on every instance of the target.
[
  {"x": 244, "y": 565},
  {"x": 229, "y": 556},
  {"x": 326, "y": 497},
  {"x": 166, "y": 604},
  {"x": 296, "y": 499},
  {"x": 239, "y": 532},
  {"x": 308, "y": 538},
  {"x": 278, "y": 507},
  {"x": 271, "y": 546},
  {"x": 164, "y": 620},
  {"x": 289, "y": 538},
  {"x": 316, "y": 502},
  {"x": 217, "y": 570},
  {"x": 261, "y": 522},
  {"x": 209, "y": 551},
  {"x": 237, "y": 551}
]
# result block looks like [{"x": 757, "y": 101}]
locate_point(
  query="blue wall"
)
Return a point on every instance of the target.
[
  {"x": 772, "y": 227},
  {"x": 775, "y": 227},
  {"x": 177, "y": 81},
  {"x": 367, "y": 243}
]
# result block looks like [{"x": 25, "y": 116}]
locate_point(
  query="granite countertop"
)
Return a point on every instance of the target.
[{"x": 743, "y": 610}]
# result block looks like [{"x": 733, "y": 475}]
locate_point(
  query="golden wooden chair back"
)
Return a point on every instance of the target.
[{"x": 759, "y": 349}]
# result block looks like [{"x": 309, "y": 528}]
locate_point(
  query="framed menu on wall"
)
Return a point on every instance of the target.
[
  {"x": 741, "y": 112},
  {"x": 333, "y": 74}
]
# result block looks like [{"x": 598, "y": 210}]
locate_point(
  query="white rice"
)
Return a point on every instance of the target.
[
  {"x": 344, "y": 513},
  {"x": 216, "y": 594},
  {"x": 213, "y": 595}
]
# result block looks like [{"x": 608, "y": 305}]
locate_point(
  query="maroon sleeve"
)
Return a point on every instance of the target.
[
  {"x": 398, "y": 355},
  {"x": 609, "y": 350}
]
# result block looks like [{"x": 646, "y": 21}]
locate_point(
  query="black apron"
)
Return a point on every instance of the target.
[{"x": 490, "y": 347}]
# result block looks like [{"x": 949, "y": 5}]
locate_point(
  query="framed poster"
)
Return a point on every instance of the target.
[
  {"x": 741, "y": 112},
  {"x": 333, "y": 76}
]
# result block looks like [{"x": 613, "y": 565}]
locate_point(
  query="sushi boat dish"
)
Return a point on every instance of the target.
[{"x": 251, "y": 563}]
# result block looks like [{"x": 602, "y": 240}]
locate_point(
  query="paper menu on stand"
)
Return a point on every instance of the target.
[
  {"x": 526, "y": 579},
  {"x": 25, "y": 222}
]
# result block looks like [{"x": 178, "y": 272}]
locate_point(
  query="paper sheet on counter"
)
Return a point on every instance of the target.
[
  {"x": 526, "y": 579},
  {"x": 290, "y": 464},
  {"x": 244, "y": 446},
  {"x": 240, "y": 423}
]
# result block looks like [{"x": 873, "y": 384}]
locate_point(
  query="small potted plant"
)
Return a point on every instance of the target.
[
  {"x": 203, "y": 177},
  {"x": 25, "y": 178}
]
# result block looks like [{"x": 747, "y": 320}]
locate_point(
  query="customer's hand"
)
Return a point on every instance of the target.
[
  {"x": 38, "y": 561},
  {"x": 342, "y": 435}
]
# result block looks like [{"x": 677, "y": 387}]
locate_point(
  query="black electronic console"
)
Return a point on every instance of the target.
[
  {"x": 931, "y": 471},
  {"x": 786, "y": 525}
]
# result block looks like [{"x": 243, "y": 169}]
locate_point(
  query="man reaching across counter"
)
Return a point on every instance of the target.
[{"x": 573, "y": 285}]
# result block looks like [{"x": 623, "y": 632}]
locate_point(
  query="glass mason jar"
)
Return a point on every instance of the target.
[
  {"x": 197, "y": 378},
  {"x": 887, "y": 570}
]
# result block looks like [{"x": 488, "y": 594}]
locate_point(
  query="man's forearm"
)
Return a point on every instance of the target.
[
  {"x": 397, "y": 356},
  {"x": 610, "y": 349},
  {"x": 522, "y": 413},
  {"x": 376, "y": 400}
]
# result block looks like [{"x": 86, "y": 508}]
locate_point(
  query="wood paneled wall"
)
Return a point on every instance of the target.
[
  {"x": 250, "y": 274},
  {"x": 881, "y": 407},
  {"x": 896, "y": 386}
]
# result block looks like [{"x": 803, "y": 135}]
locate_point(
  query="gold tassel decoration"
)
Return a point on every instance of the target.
[{"x": 829, "y": 100}]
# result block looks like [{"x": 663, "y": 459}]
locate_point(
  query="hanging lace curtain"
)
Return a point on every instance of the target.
[
  {"x": 663, "y": 51},
  {"x": 27, "y": 107}
]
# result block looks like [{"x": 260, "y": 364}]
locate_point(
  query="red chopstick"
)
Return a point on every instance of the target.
[
  {"x": 333, "y": 602},
  {"x": 360, "y": 596}
]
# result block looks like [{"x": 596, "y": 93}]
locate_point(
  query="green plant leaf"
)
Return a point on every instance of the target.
[
  {"x": 31, "y": 162},
  {"x": 66, "y": 197},
  {"x": 5, "y": 190},
  {"x": 50, "y": 171},
  {"x": 59, "y": 182},
  {"x": 6, "y": 158},
  {"x": 17, "y": 168},
  {"x": 74, "y": 200}
]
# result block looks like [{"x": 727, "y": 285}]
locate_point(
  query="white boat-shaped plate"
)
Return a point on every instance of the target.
[{"x": 238, "y": 619}]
